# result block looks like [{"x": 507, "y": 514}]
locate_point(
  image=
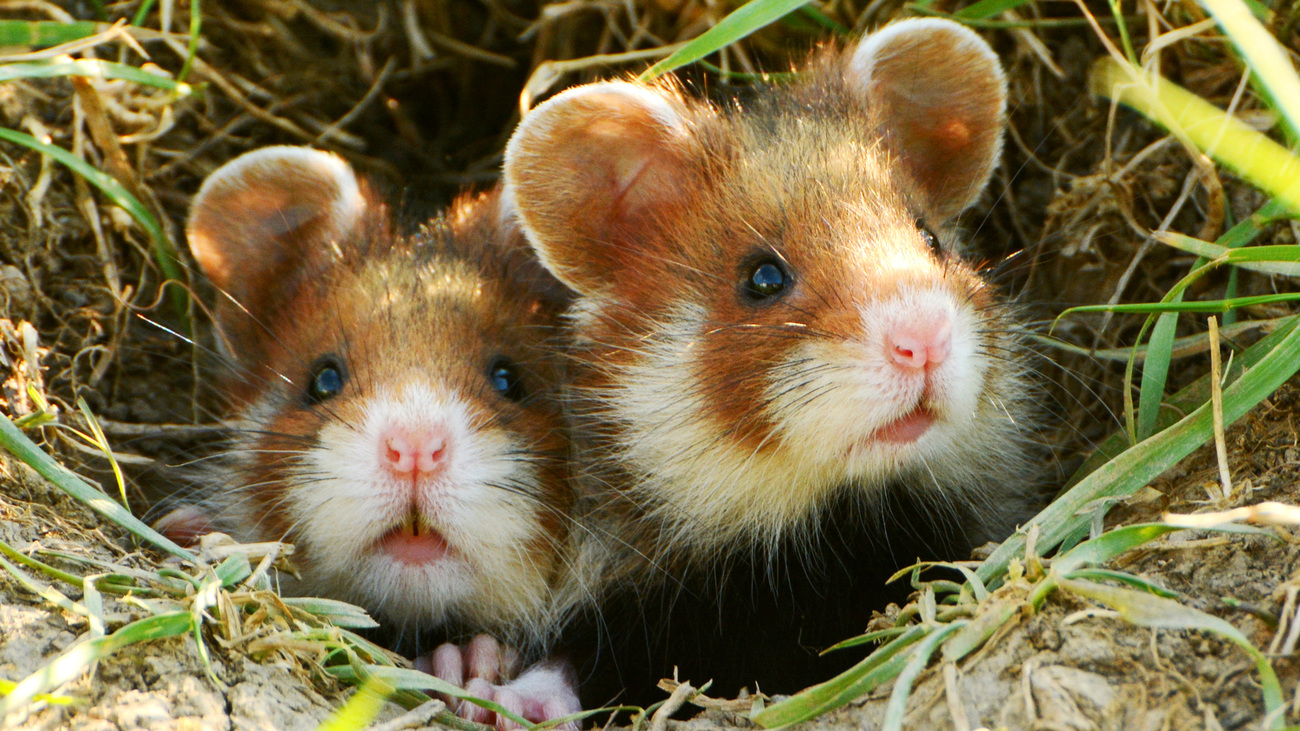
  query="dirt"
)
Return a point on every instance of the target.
[{"x": 80, "y": 316}]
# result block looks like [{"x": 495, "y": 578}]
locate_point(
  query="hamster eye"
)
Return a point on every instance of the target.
[
  {"x": 929, "y": 238},
  {"x": 767, "y": 279},
  {"x": 327, "y": 376},
  {"x": 504, "y": 377}
]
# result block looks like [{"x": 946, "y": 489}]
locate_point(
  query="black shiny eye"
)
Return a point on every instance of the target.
[
  {"x": 767, "y": 279},
  {"x": 327, "y": 377},
  {"x": 929, "y": 238},
  {"x": 504, "y": 377}
]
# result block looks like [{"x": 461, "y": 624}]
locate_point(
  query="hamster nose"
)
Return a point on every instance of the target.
[
  {"x": 920, "y": 343},
  {"x": 413, "y": 452}
]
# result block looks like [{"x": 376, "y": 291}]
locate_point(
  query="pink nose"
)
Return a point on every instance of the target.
[
  {"x": 921, "y": 343},
  {"x": 413, "y": 452}
]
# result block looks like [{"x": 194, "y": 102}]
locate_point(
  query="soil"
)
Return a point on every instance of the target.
[{"x": 80, "y": 316}]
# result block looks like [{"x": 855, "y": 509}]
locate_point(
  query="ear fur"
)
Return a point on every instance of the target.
[
  {"x": 591, "y": 169},
  {"x": 266, "y": 213},
  {"x": 939, "y": 94}
]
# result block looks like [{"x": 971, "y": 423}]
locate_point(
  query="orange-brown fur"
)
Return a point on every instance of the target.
[
  {"x": 435, "y": 305},
  {"x": 805, "y": 171}
]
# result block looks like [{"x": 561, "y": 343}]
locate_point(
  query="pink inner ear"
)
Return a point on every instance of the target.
[
  {"x": 592, "y": 170},
  {"x": 953, "y": 135},
  {"x": 939, "y": 95}
]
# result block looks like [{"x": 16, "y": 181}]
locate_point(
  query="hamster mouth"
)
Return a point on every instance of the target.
[
  {"x": 907, "y": 428},
  {"x": 413, "y": 543}
]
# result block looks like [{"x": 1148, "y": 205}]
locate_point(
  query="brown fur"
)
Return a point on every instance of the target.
[
  {"x": 813, "y": 173},
  {"x": 383, "y": 304}
]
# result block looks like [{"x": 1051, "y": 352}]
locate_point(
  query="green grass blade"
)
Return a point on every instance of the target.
[
  {"x": 985, "y": 9},
  {"x": 825, "y": 21},
  {"x": 164, "y": 252},
  {"x": 44, "y": 568},
  {"x": 7, "y": 687},
  {"x": 1199, "y": 306},
  {"x": 196, "y": 23},
  {"x": 339, "y": 614},
  {"x": 1110, "y": 544},
  {"x": 142, "y": 13},
  {"x": 406, "y": 679},
  {"x": 93, "y": 69},
  {"x": 1203, "y": 126},
  {"x": 41, "y": 33},
  {"x": 1155, "y": 371},
  {"x": 1148, "y": 610},
  {"x": 1281, "y": 259},
  {"x": 1134, "y": 581},
  {"x": 1266, "y": 57},
  {"x": 100, "y": 442},
  {"x": 875, "y": 669},
  {"x": 361, "y": 709},
  {"x": 44, "y": 591},
  {"x": 865, "y": 639},
  {"x": 78, "y": 659},
  {"x": 992, "y": 617},
  {"x": 743, "y": 21},
  {"x": 1137, "y": 466},
  {"x": 233, "y": 570},
  {"x": 24, "y": 449},
  {"x": 897, "y": 704}
]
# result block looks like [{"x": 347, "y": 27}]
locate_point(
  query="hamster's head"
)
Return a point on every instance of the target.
[
  {"x": 395, "y": 393},
  {"x": 771, "y": 297}
]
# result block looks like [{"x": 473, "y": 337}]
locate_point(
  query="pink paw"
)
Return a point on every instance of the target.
[
  {"x": 184, "y": 525},
  {"x": 544, "y": 692}
]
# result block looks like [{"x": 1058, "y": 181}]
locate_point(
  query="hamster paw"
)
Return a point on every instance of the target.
[
  {"x": 544, "y": 692},
  {"x": 184, "y": 525},
  {"x": 483, "y": 658}
]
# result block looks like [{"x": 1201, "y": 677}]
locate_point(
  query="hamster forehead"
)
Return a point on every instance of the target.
[
  {"x": 822, "y": 195},
  {"x": 438, "y": 320}
]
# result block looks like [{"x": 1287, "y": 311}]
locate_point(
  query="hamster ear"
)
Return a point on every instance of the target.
[
  {"x": 939, "y": 94},
  {"x": 262, "y": 216},
  {"x": 591, "y": 171}
]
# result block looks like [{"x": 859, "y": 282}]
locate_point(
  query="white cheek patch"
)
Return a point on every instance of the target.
[
  {"x": 855, "y": 389},
  {"x": 826, "y": 403},
  {"x": 343, "y": 500},
  {"x": 706, "y": 489}
]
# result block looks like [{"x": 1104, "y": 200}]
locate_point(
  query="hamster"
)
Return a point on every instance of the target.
[
  {"x": 787, "y": 382},
  {"x": 394, "y": 402}
]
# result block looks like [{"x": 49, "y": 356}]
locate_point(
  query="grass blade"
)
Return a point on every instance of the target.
[
  {"x": 903, "y": 686},
  {"x": 1203, "y": 126},
  {"x": 1266, "y": 58},
  {"x": 75, "y": 661},
  {"x": 93, "y": 69},
  {"x": 339, "y": 614},
  {"x": 1148, "y": 610},
  {"x": 1199, "y": 306},
  {"x": 406, "y": 679},
  {"x": 985, "y": 9},
  {"x": 41, "y": 33},
  {"x": 1109, "y": 545},
  {"x": 743, "y": 21},
  {"x": 164, "y": 253},
  {"x": 1120, "y": 576},
  {"x": 26, "y": 450},
  {"x": 1155, "y": 372},
  {"x": 1280, "y": 259},
  {"x": 875, "y": 669},
  {"x": 1137, "y": 466},
  {"x": 361, "y": 709}
]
